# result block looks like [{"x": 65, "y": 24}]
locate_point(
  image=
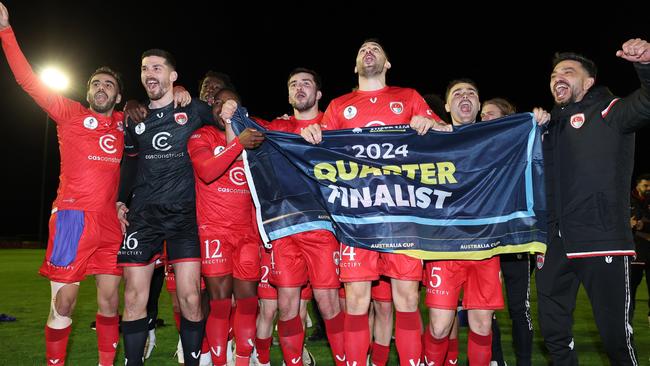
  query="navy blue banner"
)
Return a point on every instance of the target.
[{"x": 467, "y": 194}]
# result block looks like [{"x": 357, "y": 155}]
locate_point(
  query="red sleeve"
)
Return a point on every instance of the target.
[
  {"x": 329, "y": 121},
  {"x": 421, "y": 108},
  {"x": 53, "y": 103},
  {"x": 208, "y": 166}
]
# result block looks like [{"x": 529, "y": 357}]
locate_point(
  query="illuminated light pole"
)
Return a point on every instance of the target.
[{"x": 57, "y": 80}]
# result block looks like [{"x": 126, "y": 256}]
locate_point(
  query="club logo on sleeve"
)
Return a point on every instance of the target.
[
  {"x": 140, "y": 128},
  {"x": 396, "y": 107},
  {"x": 349, "y": 112},
  {"x": 218, "y": 150},
  {"x": 120, "y": 126},
  {"x": 90, "y": 123},
  {"x": 375, "y": 123},
  {"x": 577, "y": 120},
  {"x": 181, "y": 118}
]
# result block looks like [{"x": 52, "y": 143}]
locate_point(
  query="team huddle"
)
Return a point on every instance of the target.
[{"x": 162, "y": 187}]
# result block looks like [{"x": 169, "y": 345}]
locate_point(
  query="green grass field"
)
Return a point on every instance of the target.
[{"x": 25, "y": 295}]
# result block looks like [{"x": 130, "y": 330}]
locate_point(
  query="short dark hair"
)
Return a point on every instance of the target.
[
  {"x": 377, "y": 41},
  {"x": 234, "y": 92},
  {"x": 107, "y": 71},
  {"x": 311, "y": 72},
  {"x": 644, "y": 176},
  {"x": 586, "y": 63},
  {"x": 459, "y": 81},
  {"x": 169, "y": 58},
  {"x": 218, "y": 75},
  {"x": 504, "y": 105}
]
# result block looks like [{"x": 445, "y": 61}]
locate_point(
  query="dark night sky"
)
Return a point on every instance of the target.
[{"x": 427, "y": 46}]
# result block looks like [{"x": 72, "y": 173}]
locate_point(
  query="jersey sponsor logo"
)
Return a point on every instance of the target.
[
  {"x": 181, "y": 118},
  {"x": 140, "y": 128},
  {"x": 396, "y": 107},
  {"x": 373, "y": 100},
  {"x": 577, "y": 120},
  {"x": 106, "y": 144},
  {"x": 159, "y": 141},
  {"x": 238, "y": 176},
  {"x": 349, "y": 112},
  {"x": 90, "y": 123},
  {"x": 160, "y": 114},
  {"x": 539, "y": 261},
  {"x": 218, "y": 150}
]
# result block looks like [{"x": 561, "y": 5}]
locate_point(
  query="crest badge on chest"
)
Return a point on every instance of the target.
[{"x": 577, "y": 120}]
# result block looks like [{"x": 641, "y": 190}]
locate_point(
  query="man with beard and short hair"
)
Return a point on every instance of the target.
[
  {"x": 370, "y": 105},
  {"x": 84, "y": 231},
  {"x": 588, "y": 161},
  {"x": 162, "y": 209},
  {"x": 309, "y": 258}
]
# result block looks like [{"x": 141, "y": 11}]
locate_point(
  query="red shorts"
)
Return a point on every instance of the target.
[
  {"x": 366, "y": 265},
  {"x": 310, "y": 256},
  {"x": 380, "y": 290},
  {"x": 479, "y": 281},
  {"x": 267, "y": 291},
  {"x": 82, "y": 243},
  {"x": 230, "y": 252}
]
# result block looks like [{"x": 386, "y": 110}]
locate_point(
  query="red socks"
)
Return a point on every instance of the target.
[
  {"x": 245, "y": 328},
  {"x": 357, "y": 338},
  {"x": 434, "y": 349},
  {"x": 379, "y": 354},
  {"x": 217, "y": 328},
  {"x": 108, "y": 335},
  {"x": 335, "y": 336},
  {"x": 452, "y": 353},
  {"x": 408, "y": 338},
  {"x": 479, "y": 349},
  {"x": 56, "y": 342},
  {"x": 263, "y": 347},
  {"x": 291, "y": 335}
]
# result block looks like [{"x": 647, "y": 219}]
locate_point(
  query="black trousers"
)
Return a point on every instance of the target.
[
  {"x": 516, "y": 276},
  {"x": 606, "y": 281}
]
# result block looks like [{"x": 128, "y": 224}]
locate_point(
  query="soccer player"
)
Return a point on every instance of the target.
[
  {"x": 479, "y": 279},
  {"x": 228, "y": 232},
  {"x": 590, "y": 241},
  {"x": 375, "y": 103},
  {"x": 84, "y": 232},
  {"x": 162, "y": 209},
  {"x": 310, "y": 256}
]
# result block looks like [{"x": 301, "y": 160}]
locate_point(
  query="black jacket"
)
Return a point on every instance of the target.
[{"x": 588, "y": 162}]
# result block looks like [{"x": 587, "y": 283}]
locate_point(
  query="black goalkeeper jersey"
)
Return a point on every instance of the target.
[{"x": 164, "y": 170}]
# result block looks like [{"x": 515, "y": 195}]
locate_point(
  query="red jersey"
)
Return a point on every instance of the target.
[
  {"x": 387, "y": 106},
  {"x": 223, "y": 199},
  {"x": 293, "y": 125},
  {"x": 90, "y": 144}
]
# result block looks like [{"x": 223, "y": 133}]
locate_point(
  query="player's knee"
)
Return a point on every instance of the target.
[{"x": 439, "y": 330}]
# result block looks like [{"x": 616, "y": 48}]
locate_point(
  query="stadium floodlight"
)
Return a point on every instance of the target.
[{"x": 55, "y": 78}]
